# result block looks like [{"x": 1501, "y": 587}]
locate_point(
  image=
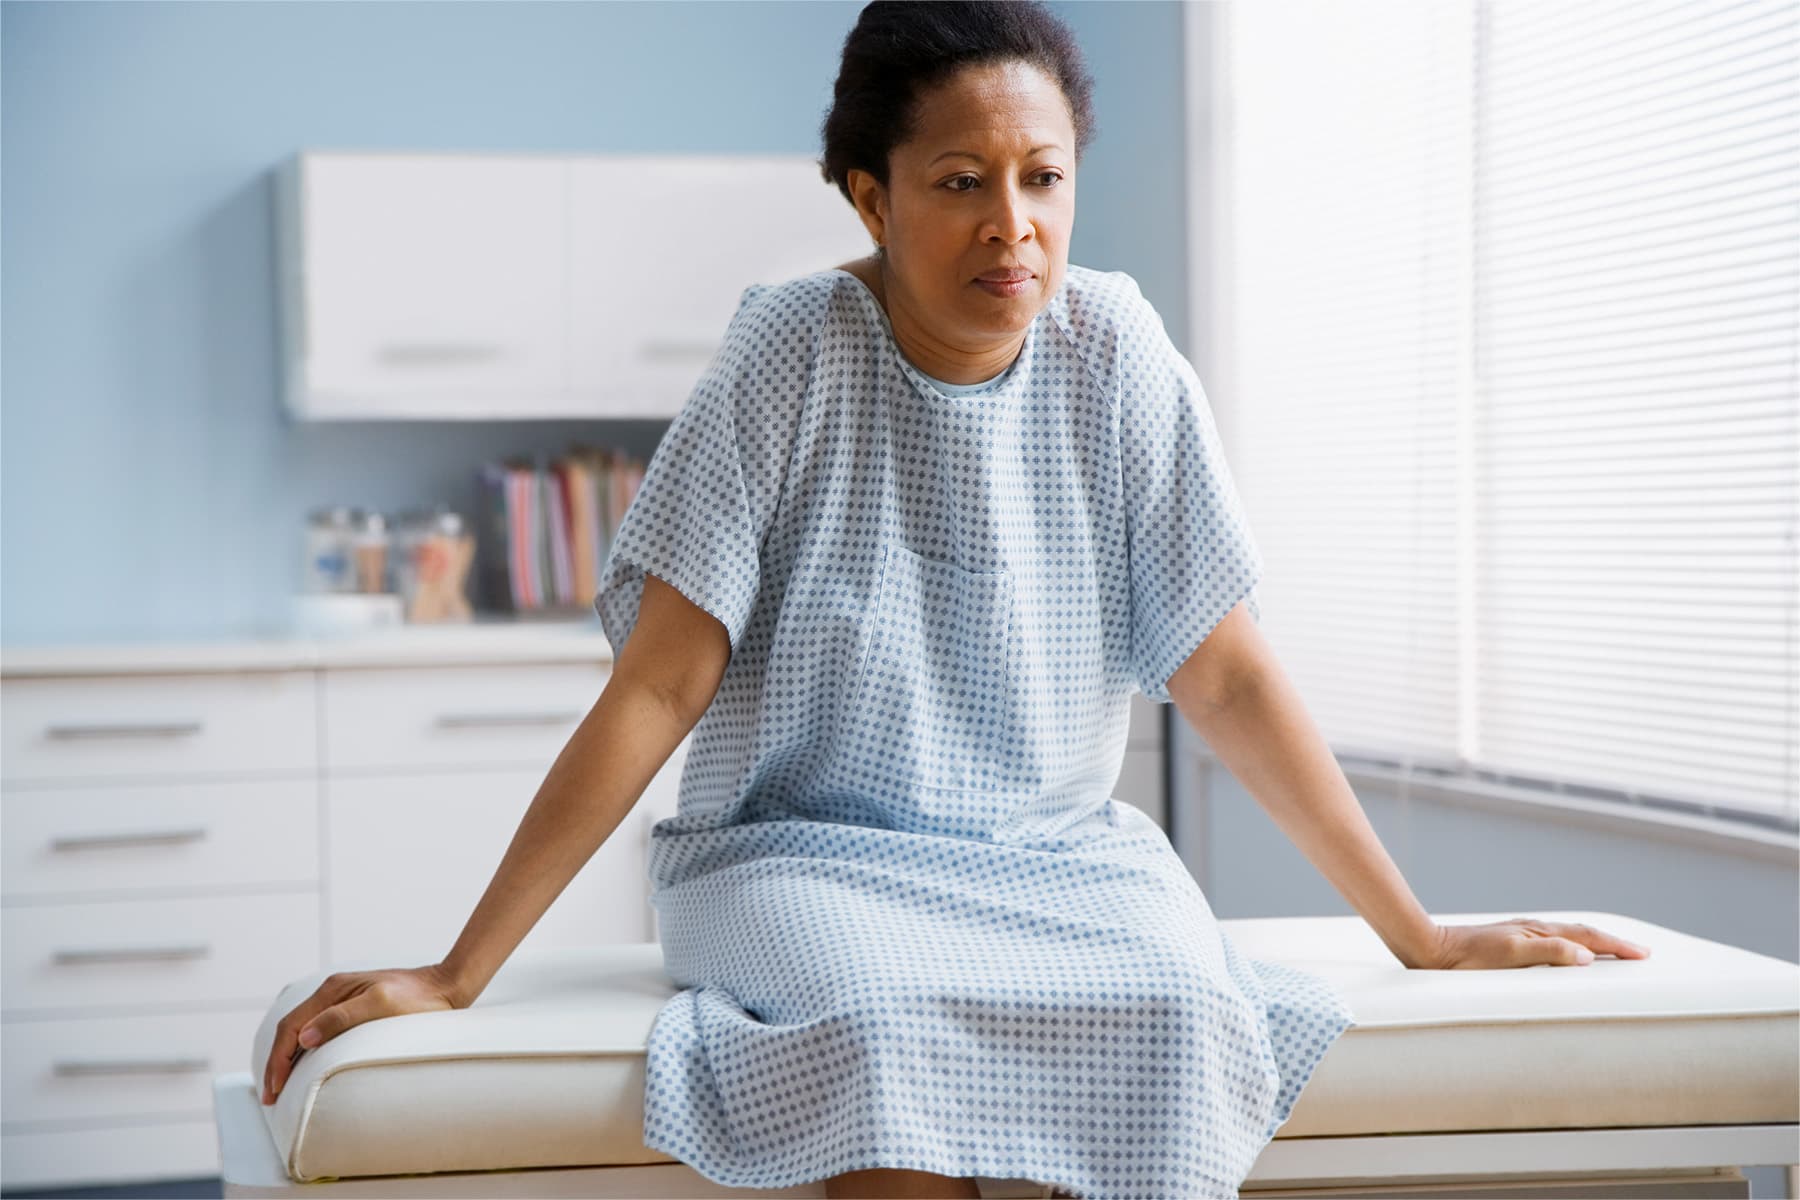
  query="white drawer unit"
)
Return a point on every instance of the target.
[
  {"x": 135, "y": 726},
  {"x": 183, "y": 830}
]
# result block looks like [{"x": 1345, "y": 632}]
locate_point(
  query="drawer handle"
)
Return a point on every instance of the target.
[
  {"x": 406, "y": 354},
  {"x": 129, "y": 954},
  {"x": 138, "y": 729},
  {"x": 129, "y": 1066},
  {"x": 100, "y": 841},
  {"x": 467, "y": 720}
]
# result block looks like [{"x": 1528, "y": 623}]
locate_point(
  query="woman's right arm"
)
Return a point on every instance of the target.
[{"x": 662, "y": 681}]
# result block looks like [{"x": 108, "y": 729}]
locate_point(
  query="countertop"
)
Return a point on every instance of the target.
[{"x": 494, "y": 640}]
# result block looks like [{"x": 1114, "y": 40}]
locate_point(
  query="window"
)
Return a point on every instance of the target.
[{"x": 1506, "y": 307}]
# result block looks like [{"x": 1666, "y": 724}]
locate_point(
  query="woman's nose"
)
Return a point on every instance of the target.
[{"x": 1011, "y": 218}]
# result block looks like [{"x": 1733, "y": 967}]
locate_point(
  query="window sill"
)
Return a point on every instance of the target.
[{"x": 1711, "y": 831}]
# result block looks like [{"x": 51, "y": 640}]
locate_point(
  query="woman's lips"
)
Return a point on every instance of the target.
[{"x": 1004, "y": 284}]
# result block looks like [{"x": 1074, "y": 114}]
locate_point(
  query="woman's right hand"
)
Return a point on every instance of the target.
[{"x": 347, "y": 999}]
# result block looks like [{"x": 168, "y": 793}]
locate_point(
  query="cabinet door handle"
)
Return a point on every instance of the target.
[
  {"x": 132, "y": 1066},
  {"x": 104, "y": 841},
  {"x": 465, "y": 720},
  {"x": 413, "y": 354},
  {"x": 128, "y": 954},
  {"x": 678, "y": 351},
  {"x": 129, "y": 729}
]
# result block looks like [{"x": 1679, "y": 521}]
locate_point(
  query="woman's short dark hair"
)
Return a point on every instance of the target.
[{"x": 901, "y": 48}]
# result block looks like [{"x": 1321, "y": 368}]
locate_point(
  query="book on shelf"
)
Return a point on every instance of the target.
[{"x": 547, "y": 526}]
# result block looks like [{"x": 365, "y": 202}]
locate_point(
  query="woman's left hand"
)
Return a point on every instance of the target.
[{"x": 1526, "y": 942}]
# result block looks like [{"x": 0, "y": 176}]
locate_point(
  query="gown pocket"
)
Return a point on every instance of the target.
[{"x": 929, "y": 704}]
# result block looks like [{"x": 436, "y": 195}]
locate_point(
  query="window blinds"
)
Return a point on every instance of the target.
[{"x": 1507, "y": 301}]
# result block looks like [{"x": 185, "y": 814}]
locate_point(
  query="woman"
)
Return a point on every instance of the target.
[{"x": 922, "y": 528}]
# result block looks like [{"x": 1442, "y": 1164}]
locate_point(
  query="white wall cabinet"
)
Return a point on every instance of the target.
[
  {"x": 183, "y": 838},
  {"x": 662, "y": 250},
  {"x": 429, "y": 284},
  {"x": 494, "y": 286}
]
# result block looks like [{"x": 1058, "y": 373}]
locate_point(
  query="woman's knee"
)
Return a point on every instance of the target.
[{"x": 882, "y": 1183}]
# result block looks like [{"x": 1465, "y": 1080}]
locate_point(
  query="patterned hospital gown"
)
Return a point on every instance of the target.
[{"x": 911, "y": 924}]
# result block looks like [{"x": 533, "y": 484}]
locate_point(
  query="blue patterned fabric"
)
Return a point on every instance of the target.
[{"x": 911, "y": 924}]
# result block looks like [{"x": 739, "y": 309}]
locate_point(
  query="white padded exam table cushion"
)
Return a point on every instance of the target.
[{"x": 546, "y": 1068}]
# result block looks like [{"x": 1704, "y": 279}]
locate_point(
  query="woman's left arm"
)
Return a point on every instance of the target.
[{"x": 1234, "y": 693}]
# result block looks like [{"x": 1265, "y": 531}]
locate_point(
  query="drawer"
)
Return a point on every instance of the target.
[
  {"x": 120, "y": 726},
  {"x": 374, "y": 823},
  {"x": 110, "y": 1154},
  {"x": 518, "y": 715},
  {"x": 107, "y": 1068},
  {"x": 138, "y": 955},
  {"x": 1146, "y": 722},
  {"x": 66, "y": 839},
  {"x": 1141, "y": 784}
]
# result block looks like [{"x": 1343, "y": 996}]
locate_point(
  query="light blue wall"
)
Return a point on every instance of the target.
[{"x": 150, "y": 484}]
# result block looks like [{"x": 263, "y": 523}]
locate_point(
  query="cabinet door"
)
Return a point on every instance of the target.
[
  {"x": 662, "y": 248},
  {"x": 409, "y": 856},
  {"x": 429, "y": 285}
]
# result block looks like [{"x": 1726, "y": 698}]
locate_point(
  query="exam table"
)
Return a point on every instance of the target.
[{"x": 1655, "y": 1077}]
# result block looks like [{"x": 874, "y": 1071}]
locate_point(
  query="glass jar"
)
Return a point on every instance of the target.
[
  {"x": 369, "y": 544},
  {"x": 433, "y": 553},
  {"x": 330, "y": 538}
]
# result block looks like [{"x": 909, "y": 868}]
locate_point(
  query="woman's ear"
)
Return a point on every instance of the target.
[{"x": 870, "y": 199}]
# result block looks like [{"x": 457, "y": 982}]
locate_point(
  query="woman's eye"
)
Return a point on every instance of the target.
[{"x": 1054, "y": 176}]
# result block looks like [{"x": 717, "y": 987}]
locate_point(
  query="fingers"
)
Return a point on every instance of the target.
[
  {"x": 300, "y": 1036},
  {"x": 366, "y": 1005},
  {"x": 1600, "y": 942},
  {"x": 1565, "y": 953},
  {"x": 281, "y": 1057},
  {"x": 1577, "y": 945},
  {"x": 287, "y": 1046}
]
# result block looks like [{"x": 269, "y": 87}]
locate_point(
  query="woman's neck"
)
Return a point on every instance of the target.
[{"x": 938, "y": 361}]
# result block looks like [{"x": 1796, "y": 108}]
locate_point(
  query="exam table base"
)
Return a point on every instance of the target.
[{"x": 1579, "y": 1164}]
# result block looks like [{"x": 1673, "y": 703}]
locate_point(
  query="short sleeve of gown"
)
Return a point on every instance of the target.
[
  {"x": 1192, "y": 557},
  {"x": 708, "y": 492}
]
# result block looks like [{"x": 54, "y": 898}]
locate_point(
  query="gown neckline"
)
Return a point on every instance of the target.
[{"x": 1002, "y": 384}]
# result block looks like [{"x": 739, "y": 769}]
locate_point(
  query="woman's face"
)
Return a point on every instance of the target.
[{"x": 986, "y": 184}]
